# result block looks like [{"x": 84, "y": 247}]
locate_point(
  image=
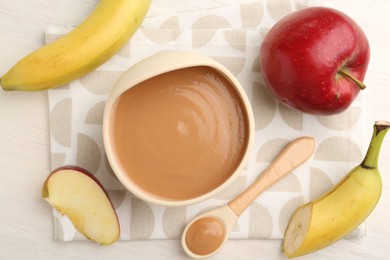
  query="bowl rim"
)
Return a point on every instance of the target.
[{"x": 154, "y": 65}]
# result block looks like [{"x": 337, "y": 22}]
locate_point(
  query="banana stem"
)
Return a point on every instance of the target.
[{"x": 380, "y": 130}]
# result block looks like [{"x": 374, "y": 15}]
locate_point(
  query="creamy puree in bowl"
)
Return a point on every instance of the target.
[{"x": 181, "y": 134}]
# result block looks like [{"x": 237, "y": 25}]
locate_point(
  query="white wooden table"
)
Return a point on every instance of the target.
[{"x": 25, "y": 219}]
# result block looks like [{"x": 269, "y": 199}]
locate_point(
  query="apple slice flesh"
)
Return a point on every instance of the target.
[{"x": 76, "y": 193}]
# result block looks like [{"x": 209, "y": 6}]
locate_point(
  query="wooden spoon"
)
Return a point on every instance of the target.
[{"x": 206, "y": 233}]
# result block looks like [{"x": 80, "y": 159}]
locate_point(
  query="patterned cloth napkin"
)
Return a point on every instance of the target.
[{"x": 231, "y": 35}]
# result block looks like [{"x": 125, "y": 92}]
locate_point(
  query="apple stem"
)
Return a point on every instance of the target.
[{"x": 348, "y": 75}]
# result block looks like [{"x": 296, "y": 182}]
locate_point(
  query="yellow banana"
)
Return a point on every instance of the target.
[
  {"x": 97, "y": 39},
  {"x": 321, "y": 222}
]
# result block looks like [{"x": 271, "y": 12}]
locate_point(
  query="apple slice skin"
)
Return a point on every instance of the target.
[{"x": 70, "y": 213}]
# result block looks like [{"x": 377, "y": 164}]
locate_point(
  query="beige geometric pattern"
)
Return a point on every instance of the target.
[
  {"x": 252, "y": 14},
  {"x": 88, "y": 153},
  {"x": 236, "y": 39},
  {"x": 57, "y": 160},
  {"x": 233, "y": 190},
  {"x": 174, "y": 221},
  {"x": 290, "y": 183},
  {"x": 279, "y": 9},
  {"x": 292, "y": 118},
  {"x": 262, "y": 98},
  {"x": 61, "y": 130},
  {"x": 234, "y": 64},
  {"x": 231, "y": 35},
  {"x": 142, "y": 220},
  {"x": 99, "y": 82},
  {"x": 117, "y": 197},
  {"x": 348, "y": 151},
  {"x": 270, "y": 149},
  {"x": 95, "y": 114},
  {"x": 260, "y": 221},
  {"x": 319, "y": 183},
  {"x": 287, "y": 210},
  {"x": 342, "y": 122}
]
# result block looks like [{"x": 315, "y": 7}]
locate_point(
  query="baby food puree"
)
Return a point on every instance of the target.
[{"x": 180, "y": 134}]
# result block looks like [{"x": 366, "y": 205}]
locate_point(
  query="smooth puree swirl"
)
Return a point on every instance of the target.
[{"x": 180, "y": 134}]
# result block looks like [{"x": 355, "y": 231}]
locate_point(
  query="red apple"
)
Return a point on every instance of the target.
[{"x": 314, "y": 60}]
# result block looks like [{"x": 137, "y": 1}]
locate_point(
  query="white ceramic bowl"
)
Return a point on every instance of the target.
[{"x": 159, "y": 63}]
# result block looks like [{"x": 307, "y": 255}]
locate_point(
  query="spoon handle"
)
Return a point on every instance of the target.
[{"x": 293, "y": 155}]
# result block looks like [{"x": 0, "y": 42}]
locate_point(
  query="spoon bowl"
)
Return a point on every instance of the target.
[
  {"x": 206, "y": 234},
  {"x": 225, "y": 216}
]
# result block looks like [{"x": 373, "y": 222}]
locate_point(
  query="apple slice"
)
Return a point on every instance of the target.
[{"x": 75, "y": 192}]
